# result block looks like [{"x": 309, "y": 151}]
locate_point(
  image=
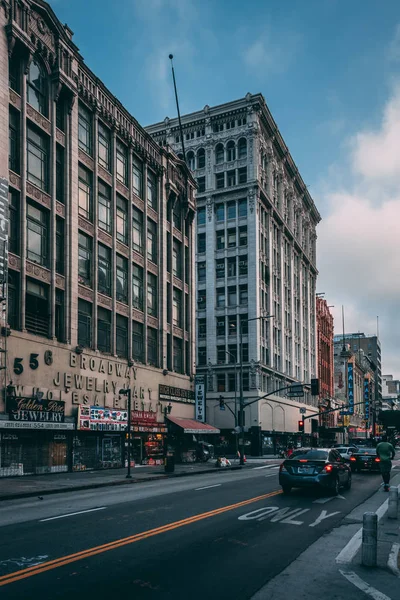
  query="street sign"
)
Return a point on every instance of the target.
[
  {"x": 295, "y": 391},
  {"x": 222, "y": 407},
  {"x": 303, "y": 411}
]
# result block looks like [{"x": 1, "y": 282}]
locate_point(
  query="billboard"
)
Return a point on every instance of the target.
[{"x": 98, "y": 418}]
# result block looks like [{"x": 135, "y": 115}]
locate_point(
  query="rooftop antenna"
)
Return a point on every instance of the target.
[{"x": 171, "y": 56}]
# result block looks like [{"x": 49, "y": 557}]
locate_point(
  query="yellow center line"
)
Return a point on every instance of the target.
[{"x": 65, "y": 560}]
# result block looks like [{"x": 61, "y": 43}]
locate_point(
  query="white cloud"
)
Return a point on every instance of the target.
[
  {"x": 267, "y": 54},
  {"x": 359, "y": 239},
  {"x": 393, "y": 51}
]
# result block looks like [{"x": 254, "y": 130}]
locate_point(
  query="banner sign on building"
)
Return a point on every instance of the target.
[
  {"x": 97, "y": 418},
  {"x": 170, "y": 393},
  {"x": 200, "y": 414},
  {"x": 3, "y": 229},
  {"x": 33, "y": 410},
  {"x": 366, "y": 398},
  {"x": 350, "y": 387}
]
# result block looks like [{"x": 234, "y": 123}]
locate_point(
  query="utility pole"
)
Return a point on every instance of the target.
[
  {"x": 127, "y": 392},
  {"x": 236, "y": 415}
]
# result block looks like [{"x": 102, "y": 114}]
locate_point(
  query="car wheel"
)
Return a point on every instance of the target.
[
  {"x": 335, "y": 486},
  {"x": 348, "y": 484},
  {"x": 286, "y": 489}
]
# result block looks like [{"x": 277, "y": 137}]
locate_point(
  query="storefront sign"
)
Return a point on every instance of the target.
[
  {"x": 350, "y": 387},
  {"x": 33, "y": 425},
  {"x": 143, "y": 416},
  {"x": 173, "y": 394},
  {"x": 95, "y": 418},
  {"x": 200, "y": 400},
  {"x": 3, "y": 229},
  {"x": 30, "y": 409}
]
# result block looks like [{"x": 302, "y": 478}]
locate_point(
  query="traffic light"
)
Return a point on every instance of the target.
[
  {"x": 301, "y": 426},
  {"x": 221, "y": 402},
  {"x": 314, "y": 387}
]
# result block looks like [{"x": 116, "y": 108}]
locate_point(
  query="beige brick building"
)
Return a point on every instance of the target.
[{"x": 101, "y": 251}]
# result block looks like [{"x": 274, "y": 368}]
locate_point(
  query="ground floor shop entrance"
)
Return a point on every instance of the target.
[{"x": 97, "y": 450}]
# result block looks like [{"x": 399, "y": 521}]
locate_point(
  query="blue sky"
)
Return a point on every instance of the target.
[{"x": 329, "y": 71}]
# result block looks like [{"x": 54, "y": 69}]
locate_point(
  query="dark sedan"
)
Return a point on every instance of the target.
[
  {"x": 365, "y": 459},
  {"x": 315, "y": 467}
]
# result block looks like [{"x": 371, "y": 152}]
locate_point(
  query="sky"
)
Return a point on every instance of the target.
[{"x": 330, "y": 73}]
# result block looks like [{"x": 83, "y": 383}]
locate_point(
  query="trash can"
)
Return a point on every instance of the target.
[{"x": 169, "y": 464}]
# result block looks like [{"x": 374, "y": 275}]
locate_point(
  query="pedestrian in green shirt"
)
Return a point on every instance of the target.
[{"x": 385, "y": 452}]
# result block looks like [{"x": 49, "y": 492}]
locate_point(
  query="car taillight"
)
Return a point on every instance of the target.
[
  {"x": 328, "y": 468},
  {"x": 303, "y": 460},
  {"x": 377, "y": 460},
  {"x": 353, "y": 458},
  {"x": 282, "y": 468}
]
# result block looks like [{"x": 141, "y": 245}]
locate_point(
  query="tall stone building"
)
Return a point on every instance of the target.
[
  {"x": 101, "y": 250},
  {"x": 256, "y": 256},
  {"x": 326, "y": 369}
]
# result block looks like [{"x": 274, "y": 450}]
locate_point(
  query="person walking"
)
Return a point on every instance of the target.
[{"x": 386, "y": 453}]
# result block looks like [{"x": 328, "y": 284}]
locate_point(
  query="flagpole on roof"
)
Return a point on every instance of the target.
[{"x": 171, "y": 56}]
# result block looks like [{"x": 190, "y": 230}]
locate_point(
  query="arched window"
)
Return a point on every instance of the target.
[
  {"x": 201, "y": 158},
  {"x": 180, "y": 155},
  {"x": 37, "y": 88},
  {"x": 242, "y": 148},
  {"x": 191, "y": 163},
  {"x": 230, "y": 151},
  {"x": 219, "y": 154}
]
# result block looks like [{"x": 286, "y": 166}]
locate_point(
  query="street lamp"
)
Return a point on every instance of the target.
[
  {"x": 241, "y": 399},
  {"x": 127, "y": 392}
]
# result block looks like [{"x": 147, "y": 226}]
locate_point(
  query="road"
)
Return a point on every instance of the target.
[{"x": 210, "y": 536}]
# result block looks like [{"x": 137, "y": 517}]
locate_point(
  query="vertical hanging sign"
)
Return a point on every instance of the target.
[
  {"x": 350, "y": 387},
  {"x": 200, "y": 399},
  {"x": 3, "y": 230},
  {"x": 366, "y": 398}
]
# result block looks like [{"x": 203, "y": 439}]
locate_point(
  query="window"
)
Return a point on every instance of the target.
[
  {"x": 187, "y": 265},
  {"x": 177, "y": 216},
  {"x": 232, "y": 298},
  {"x": 231, "y": 210},
  {"x": 104, "y": 270},
  {"x": 220, "y": 326},
  {"x": 85, "y": 129},
  {"x": 232, "y": 356},
  {"x": 230, "y": 151},
  {"x": 137, "y": 341},
  {"x": 245, "y": 352},
  {"x": 137, "y": 177},
  {"x": 220, "y": 239},
  {"x": 230, "y": 124},
  {"x": 36, "y": 88},
  {"x": 243, "y": 236},
  {"x": 122, "y": 163},
  {"x": 121, "y": 326},
  {"x": 137, "y": 287},
  {"x": 103, "y": 330},
  {"x": 85, "y": 258},
  {"x": 177, "y": 308},
  {"x": 122, "y": 279},
  {"x": 242, "y": 265},
  {"x": 60, "y": 251},
  {"x": 232, "y": 266},
  {"x": 220, "y": 212},
  {"x": 137, "y": 230},
  {"x": 37, "y": 308},
  {"x": 231, "y": 178},
  {"x": 60, "y": 114},
  {"x": 201, "y": 272},
  {"x": 60, "y": 173},
  {"x": 242, "y": 148},
  {"x": 37, "y": 241},
  {"x": 152, "y": 346},
  {"x": 201, "y": 299},
  {"x": 151, "y": 241},
  {"x": 242, "y": 175},
  {"x": 13, "y": 300},
  {"x": 59, "y": 316},
  {"x": 231, "y": 382},
  {"x": 37, "y": 158},
  {"x": 13, "y": 221},
  {"x": 217, "y": 127},
  {"x": 105, "y": 207},
  {"x": 13, "y": 135},
  {"x": 232, "y": 325},
  {"x": 244, "y": 324},
  {"x": 221, "y": 298},
  {"x": 220, "y": 269},
  {"x": 14, "y": 73},
  {"x": 152, "y": 190},
  {"x": 177, "y": 259},
  {"x": 243, "y": 295},
  {"x": 152, "y": 294},
  {"x": 221, "y": 387},
  {"x": 201, "y": 242},
  {"x": 246, "y": 381},
  {"x": 201, "y": 183},
  {"x": 85, "y": 193},
  {"x": 84, "y": 324},
  {"x": 201, "y": 216},
  {"x": 202, "y": 357},
  {"x": 202, "y": 328},
  {"x": 219, "y": 154},
  {"x": 122, "y": 220},
  {"x": 104, "y": 147},
  {"x": 242, "y": 208},
  {"x": 191, "y": 162},
  {"x": 220, "y": 181},
  {"x": 201, "y": 158},
  {"x": 221, "y": 355}
]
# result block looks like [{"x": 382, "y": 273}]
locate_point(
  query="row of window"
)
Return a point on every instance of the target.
[
  {"x": 229, "y": 324},
  {"x": 226, "y": 382},
  {"x": 230, "y": 238},
  {"x": 232, "y": 296},
  {"x": 230, "y": 124},
  {"x": 230, "y": 178}
]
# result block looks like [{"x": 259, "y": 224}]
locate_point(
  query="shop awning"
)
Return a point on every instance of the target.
[{"x": 192, "y": 426}]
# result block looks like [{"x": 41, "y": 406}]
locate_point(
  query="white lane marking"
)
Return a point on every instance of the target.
[
  {"x": 207, "y": 487},
  {"x": 393, "y": 560},
  {"x": 264, "y": 467},
  {"x": 25, "y": 562},
  {"x": 363, "y": 585},
  {"x": 325, "y": 500},
  {"x": 81, "y": 512},
  {"x": 271, "y": 475},
  {"x": 324, "y": 515}
]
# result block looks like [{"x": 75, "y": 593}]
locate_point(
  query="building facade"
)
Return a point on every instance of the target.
[
  {"x": 390, "y": 393},
  {"x": 326, "y": 369},
  {"x": 256, "y": 256},
  {"x": 100, "y": 262}
]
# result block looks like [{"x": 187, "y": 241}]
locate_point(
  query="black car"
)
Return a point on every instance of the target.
[
  {"x": 315, "y": 467},
  {"x": 365, "y": 459}
]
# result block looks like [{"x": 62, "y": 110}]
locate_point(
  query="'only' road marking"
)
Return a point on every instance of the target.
[
  {"x": 65, "y": 560},
  {"x": 285, "y": 515}
]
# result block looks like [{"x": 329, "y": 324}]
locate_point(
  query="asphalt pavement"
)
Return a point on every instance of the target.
[{"x": 210, "y": 536}]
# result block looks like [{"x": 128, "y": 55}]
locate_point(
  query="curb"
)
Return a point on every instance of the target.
[
  {"x": 393, "y": 560},
  {"x": 92, "y": 486}
]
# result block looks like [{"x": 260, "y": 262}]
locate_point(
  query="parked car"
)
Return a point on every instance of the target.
[
  {"x": 346, "y": 451},
  {"x": 365, "y": 459},
  {"x": 315, "y": 467}
]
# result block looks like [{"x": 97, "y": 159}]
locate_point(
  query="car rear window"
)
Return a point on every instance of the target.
[
  {"x": 310, "y": 454},
  {"x": 366, "y": 451}
]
